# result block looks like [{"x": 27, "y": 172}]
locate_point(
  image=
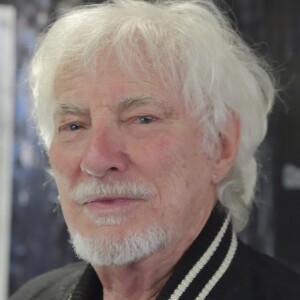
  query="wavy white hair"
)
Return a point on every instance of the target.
[{"x": 193, "y": 47}]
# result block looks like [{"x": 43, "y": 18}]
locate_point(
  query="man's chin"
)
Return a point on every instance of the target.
[
  {"x": 109, "y": 250},
  {"x": 102, "y": 220}
]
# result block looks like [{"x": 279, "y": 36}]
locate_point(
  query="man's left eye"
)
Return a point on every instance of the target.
[{"x": 144, "y": 120}]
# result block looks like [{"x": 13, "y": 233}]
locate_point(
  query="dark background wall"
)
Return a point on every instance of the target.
[{"x": 39, "y": 239}]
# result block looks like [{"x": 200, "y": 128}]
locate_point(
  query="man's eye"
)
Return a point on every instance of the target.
[
  {"x": 144, "y": 120},
  {"x": 73, "y": 127},
  {"x": 70, "y": 127}
]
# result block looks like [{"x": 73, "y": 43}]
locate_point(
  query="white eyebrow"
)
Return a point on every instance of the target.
[
  {"x": 126, "y": 103},
  {"x": 67, "y": 108},
  {"x": 135, "y": 101}
]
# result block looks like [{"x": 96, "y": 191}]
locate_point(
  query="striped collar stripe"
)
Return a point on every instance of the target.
[{"x": 207, "y": 257}]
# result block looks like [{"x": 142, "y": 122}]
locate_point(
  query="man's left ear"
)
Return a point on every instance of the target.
[{"x": 227, "y": 149}]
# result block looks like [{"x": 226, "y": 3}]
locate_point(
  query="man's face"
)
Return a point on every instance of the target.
[{"x": 123, "y": 134}]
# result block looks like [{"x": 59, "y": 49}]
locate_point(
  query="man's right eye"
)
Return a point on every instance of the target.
[
  {"x": 74, "y": 126},
  {"x": 70, "y": 127}
]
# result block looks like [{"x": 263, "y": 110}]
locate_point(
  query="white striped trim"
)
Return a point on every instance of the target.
[
  {"x": 200, "y": 263},
  {"x": 222, "y": 269}
]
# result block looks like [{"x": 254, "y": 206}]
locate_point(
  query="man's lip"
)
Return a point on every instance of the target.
[
  {"x": 111, "y": 204},
  {"x": 109, "y": 199}
]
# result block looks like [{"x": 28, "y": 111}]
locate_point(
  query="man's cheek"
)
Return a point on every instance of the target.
[
  {"x": 174, "y": 161},
  {"x": 63, "y": 185},
  {"x": 63, "y": 158},
  {"x": 167, "y": 154}
]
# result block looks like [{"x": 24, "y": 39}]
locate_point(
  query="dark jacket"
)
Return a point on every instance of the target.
[{"x": 216, "y": 266}]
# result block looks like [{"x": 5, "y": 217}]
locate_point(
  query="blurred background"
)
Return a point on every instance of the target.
[{"x": 31, "y": 221}]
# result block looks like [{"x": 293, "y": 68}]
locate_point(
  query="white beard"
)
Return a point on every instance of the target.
[
  {"x": 110, "y": 249},
  {"x": 102, "y": 250}
]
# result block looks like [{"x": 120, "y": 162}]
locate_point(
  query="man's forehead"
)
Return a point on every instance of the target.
[{"x": 115, "y": 89}]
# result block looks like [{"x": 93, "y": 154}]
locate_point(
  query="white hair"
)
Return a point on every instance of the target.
[{"x": 192, "y": 46}]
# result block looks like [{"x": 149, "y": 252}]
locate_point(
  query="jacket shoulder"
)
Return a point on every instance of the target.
[
  {"x": 264, "y": 278},
  {"x": 56, "y": 284},
  {"x": 273, "y": 271}
]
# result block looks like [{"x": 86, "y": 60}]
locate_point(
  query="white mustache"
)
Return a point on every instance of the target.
[{"x": 113, "y": 189}]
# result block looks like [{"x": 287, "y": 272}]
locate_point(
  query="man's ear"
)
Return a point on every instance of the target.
[{"x": 228, "y": 147}]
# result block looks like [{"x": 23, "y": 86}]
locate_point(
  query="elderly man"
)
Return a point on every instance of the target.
[{"x": 151, "y": 115}]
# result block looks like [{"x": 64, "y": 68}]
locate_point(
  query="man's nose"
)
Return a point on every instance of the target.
[{"x": 104, "y": 153}]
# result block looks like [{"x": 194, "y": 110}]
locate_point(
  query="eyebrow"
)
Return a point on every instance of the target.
[
  {"x": 126, "y": 103},
  {"x": 136, "y": 101},
  {"x": 67, "y": 108}
]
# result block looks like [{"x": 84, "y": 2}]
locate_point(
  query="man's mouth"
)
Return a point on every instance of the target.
[{"x": 107, "y": 203}]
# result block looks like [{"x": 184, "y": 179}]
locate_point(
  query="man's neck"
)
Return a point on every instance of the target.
[
  {"x": 140, "y": 280},
  {"x": 132, "y": 282}
]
